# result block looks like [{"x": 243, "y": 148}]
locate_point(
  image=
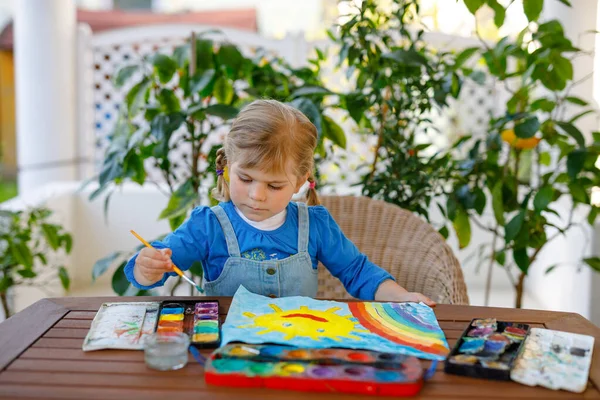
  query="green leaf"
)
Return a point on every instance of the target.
[
  {"x": 230, "y": 56},
  {"x": 68, "y": 242},
  {"x": 575, "y": 162},
  {"x": 464, "y": 56},
  {"x": 545, "y": 159},
  {"x": 223, "y": 90},
  {"x": 500, "y": 257},
  {"x": 592, "y": 215},
  {"x": 181, "y": 55},
  {"x": 444, "y": 232},
  {"x": 168, "y": 100},
  {"x": 201, "y": 80},
  {"x": 581, "y": 114},
  {"x": 451, "y": 207},
  {"x": 406, "y": 57},
  {"x": 64, "y": 277},
  {"x": 512, "y": 229},
  {"x": 462, "y": 226},
  {"x": 478, "y": 77},
  {"x": 579, "y": 193},
  {"x": 563, "y": 67},
  {"x": 550, "y": 269},
  {"x": 308, "y": 108},
  {"x": 527, "y": 128},
  {"x": 124, "y": 73},
  {"x": 576, "y": 100},
  {"x": 222, "y": 110},
  {"x": 104, "y": 264},
  {"x": 533, "y": 9},
  {"x": 22, "y": 254},
  {"x": 522, "y": 259},
  {"x": 474, "y": 5},
  {"x": 27, "y": 273},
  {"x": 120, "y": 284},
  {"x": 42, "y": 258},
  {"x": 543, "y": 197},
  {"x": 204, "y": 54},
  {"x": 334, "y": 132},
  {"x": 51, "y": 234},
  {"x": 311, "y": 90},
  {"x": 181, "y": 201},
  {"x": 593, "y": 262},
  {"x": 164, "y": 66},
  {"x": 499, "y": 12},
  {"x": 565, "y": 2},
  {"x": 356, "y": 106},
  {"x": 480, "y": 200},
  {"x": 543, "y": 104},
  {"x": 498, "y": 203},
  {"x": 573, "y": 132},
  {"x": 136, "y": 96}
]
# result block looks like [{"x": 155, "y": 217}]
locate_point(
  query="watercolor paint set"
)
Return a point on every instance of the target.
[
  {"x": 555, "y": 360},
  {"x": 198, "y": 319},
  {"x": 314, "y": 370},
  {"x": 487, "y": 349}
]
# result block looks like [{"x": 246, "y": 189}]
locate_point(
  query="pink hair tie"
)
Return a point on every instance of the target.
[{"x": 312, "y": 185}]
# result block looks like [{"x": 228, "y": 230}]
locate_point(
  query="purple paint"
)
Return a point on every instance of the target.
[{"x": 322, "y": 372}]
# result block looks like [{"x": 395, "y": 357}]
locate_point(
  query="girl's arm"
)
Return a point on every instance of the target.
[
  {"x": 361, "y": 278},
  {"x": 187, "y": 244}
]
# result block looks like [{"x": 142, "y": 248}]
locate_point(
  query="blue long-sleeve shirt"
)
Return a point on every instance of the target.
[{"x": 201, "y": 238}]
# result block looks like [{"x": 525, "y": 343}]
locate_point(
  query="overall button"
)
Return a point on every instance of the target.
[
  {"x": 271, "y": 271},
  {"x": 272, "y": 296}
]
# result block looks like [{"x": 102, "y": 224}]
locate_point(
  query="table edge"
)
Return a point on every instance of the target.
[{"x": 21, "y": 330}]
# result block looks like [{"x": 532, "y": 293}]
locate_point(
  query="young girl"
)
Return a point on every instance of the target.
[{"x": 256, "y": 236}]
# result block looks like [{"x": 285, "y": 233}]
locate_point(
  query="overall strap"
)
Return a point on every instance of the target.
[
  {"x": 232, "y": 244},
  {"x": 302, "y": 227}
]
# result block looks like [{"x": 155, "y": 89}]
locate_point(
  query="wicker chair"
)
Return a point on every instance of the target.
[{"x": 399, "y": 241}]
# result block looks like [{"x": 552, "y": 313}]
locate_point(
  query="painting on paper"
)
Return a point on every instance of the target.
[
  {"x": 405, "y": 328},
  {"x": 121, "y": 326}
]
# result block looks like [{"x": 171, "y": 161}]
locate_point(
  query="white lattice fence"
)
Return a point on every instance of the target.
[{"x": 101, "y": 55}]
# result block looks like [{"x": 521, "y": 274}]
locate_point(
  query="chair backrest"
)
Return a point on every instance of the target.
[{"x": 409, "y": 248}]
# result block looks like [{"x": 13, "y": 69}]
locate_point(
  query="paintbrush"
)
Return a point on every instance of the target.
[{"x": 177, "y": 270}]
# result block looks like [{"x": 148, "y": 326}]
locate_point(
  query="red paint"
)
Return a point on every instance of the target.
[
  {"x": 359, "y": 357},
  {"x": 309, "y": 316}
]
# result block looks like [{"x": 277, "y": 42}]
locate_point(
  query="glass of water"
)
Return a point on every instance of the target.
[{"x": 166, "y": 351}]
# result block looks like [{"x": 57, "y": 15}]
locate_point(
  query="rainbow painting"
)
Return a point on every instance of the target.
[
  {"x": 400, "y": 328},
  {"x": 401, "y": 323}
]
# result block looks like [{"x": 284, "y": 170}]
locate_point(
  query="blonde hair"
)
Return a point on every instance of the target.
[{"x": 270, "y": 136}]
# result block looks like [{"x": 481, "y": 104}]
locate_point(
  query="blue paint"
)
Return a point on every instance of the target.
[
  {"x": 472, "y": 346},
  {"x": 175, "y": 310}
]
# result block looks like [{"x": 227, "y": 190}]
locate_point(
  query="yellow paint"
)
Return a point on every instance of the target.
[
  {"x": 314, "y": 324},
  {"x": 171, "y": 317},
  {"x": 289, "y": 369},
  {"x": 8, "y": 145},
  {"x": 509, "y": 137}
]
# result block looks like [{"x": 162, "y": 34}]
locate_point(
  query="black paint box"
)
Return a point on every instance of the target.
[
  {"x": 199, "y": 319},
  {"x": 487, "y": 349}
]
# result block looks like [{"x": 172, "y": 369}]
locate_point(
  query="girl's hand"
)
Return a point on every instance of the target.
[
  {"x": 151, "y": 265},
  {"x": 391, "y": 291},
  {"x": 415, "y": 298}
]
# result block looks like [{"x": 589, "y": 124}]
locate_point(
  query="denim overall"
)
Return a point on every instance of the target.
[{"x": 292, "y": 276}]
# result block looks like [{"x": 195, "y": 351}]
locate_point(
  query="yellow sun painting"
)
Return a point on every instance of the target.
[{"x": 304, "y": 322}]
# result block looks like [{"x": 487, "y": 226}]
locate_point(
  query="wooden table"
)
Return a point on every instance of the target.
[{"x": 41, "y": 358}]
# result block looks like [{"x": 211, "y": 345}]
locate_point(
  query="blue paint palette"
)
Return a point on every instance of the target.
[{"x": 318, "y": 370}]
